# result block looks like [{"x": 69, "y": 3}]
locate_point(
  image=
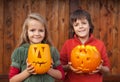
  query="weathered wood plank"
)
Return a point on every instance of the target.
[
  {"x": 63, "y": 22},
  {"x": 118, "y": 33},
  {"x": 94, "y": 9},
  {"x": 20, "y": 14},
  {"x": 8, "y": 34},
  {"x": 66, "y": 23},
  {"x": 38, "y": 6},
  {"x": 52, "y": 18},
  {"x": 1, "y": 35},
  {"x": 113, "y": 42}
]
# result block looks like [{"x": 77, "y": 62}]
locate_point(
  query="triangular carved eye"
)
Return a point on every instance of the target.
[
  {"x": 39, "y": 55},
  {"x": 43, "y": 49},
  {"x": 35, "y": 48}
]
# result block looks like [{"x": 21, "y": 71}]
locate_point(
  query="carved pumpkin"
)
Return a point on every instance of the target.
[
  {"x": 39, "y": 56},
  {"x": 86, "y": 58}
]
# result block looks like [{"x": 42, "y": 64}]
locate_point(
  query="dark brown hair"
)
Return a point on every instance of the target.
[{"x": 80, "y": 14}]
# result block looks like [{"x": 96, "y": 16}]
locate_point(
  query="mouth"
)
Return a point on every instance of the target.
[
  {"x": 40, "y": 63},
  {"x": 36, "y": 38},
  {"x": 82, "y": 30}
]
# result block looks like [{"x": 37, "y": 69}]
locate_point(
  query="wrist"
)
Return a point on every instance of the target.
[
  {"x": 66, "y": 67},
  {"x": 27, "y": 72},
  {"x": 50, "y": 70}
]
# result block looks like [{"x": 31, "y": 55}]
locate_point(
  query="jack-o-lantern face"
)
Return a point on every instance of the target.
[
  {"x": 86, "y": 58},
  {"x": 40, "y": 58}
]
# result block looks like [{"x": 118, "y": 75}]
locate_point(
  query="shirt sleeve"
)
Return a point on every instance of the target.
[
  {"x": 55, "y": 56},
  {"x": 13, "y": 71},
  {"x": 15, "y": 58},
  {"x": 61, "y": 70},
  {"x": 63, "y": 54}
]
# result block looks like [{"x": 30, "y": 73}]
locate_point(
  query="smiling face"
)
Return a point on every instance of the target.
[
  {"x": 81, "y": 28},
  {"x": 36, "y": 31}
]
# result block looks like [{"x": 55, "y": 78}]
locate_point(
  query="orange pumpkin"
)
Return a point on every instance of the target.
[
  {"x": 85, "y": 58},
  {"x": 39, "y": 56}
]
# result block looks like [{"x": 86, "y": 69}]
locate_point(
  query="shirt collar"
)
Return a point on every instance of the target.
[{"x": 88, "y": 41}]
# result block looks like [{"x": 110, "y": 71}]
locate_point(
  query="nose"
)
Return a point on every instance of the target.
[
  {"x": 37, "y": 33},
  {"x": 80, "y": 25}
]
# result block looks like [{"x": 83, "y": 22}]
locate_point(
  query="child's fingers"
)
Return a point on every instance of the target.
[
  {"x": 69, "y": 63},
  {"x": 79, "y": 71},
  {"x": 30, "y": 69},
  {"x": 93, "y": 72},
  {"x": 72, "y": 68}
]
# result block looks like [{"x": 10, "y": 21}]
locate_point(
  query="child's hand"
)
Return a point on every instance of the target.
[
  {"x": 73, "y": 69},
  {"x": 52, "y": 63},
  {"x": 98, "y": 69},
  {"x": 51, "y": 66},
  {"x": 95, "y": 71},
  {"x": 30, "y": 69}
]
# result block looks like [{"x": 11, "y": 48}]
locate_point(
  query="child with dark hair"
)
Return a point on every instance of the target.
[{"x": 82, "y": 29}]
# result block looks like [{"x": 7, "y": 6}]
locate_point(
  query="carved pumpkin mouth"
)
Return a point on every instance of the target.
[{"x": 40, "y": 63}]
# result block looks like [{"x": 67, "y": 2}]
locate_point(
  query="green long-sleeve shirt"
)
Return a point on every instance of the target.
[{"x": 19, "y": 57}]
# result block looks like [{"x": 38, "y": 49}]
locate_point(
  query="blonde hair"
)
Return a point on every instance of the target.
[{"x": 24, "y": 36}]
